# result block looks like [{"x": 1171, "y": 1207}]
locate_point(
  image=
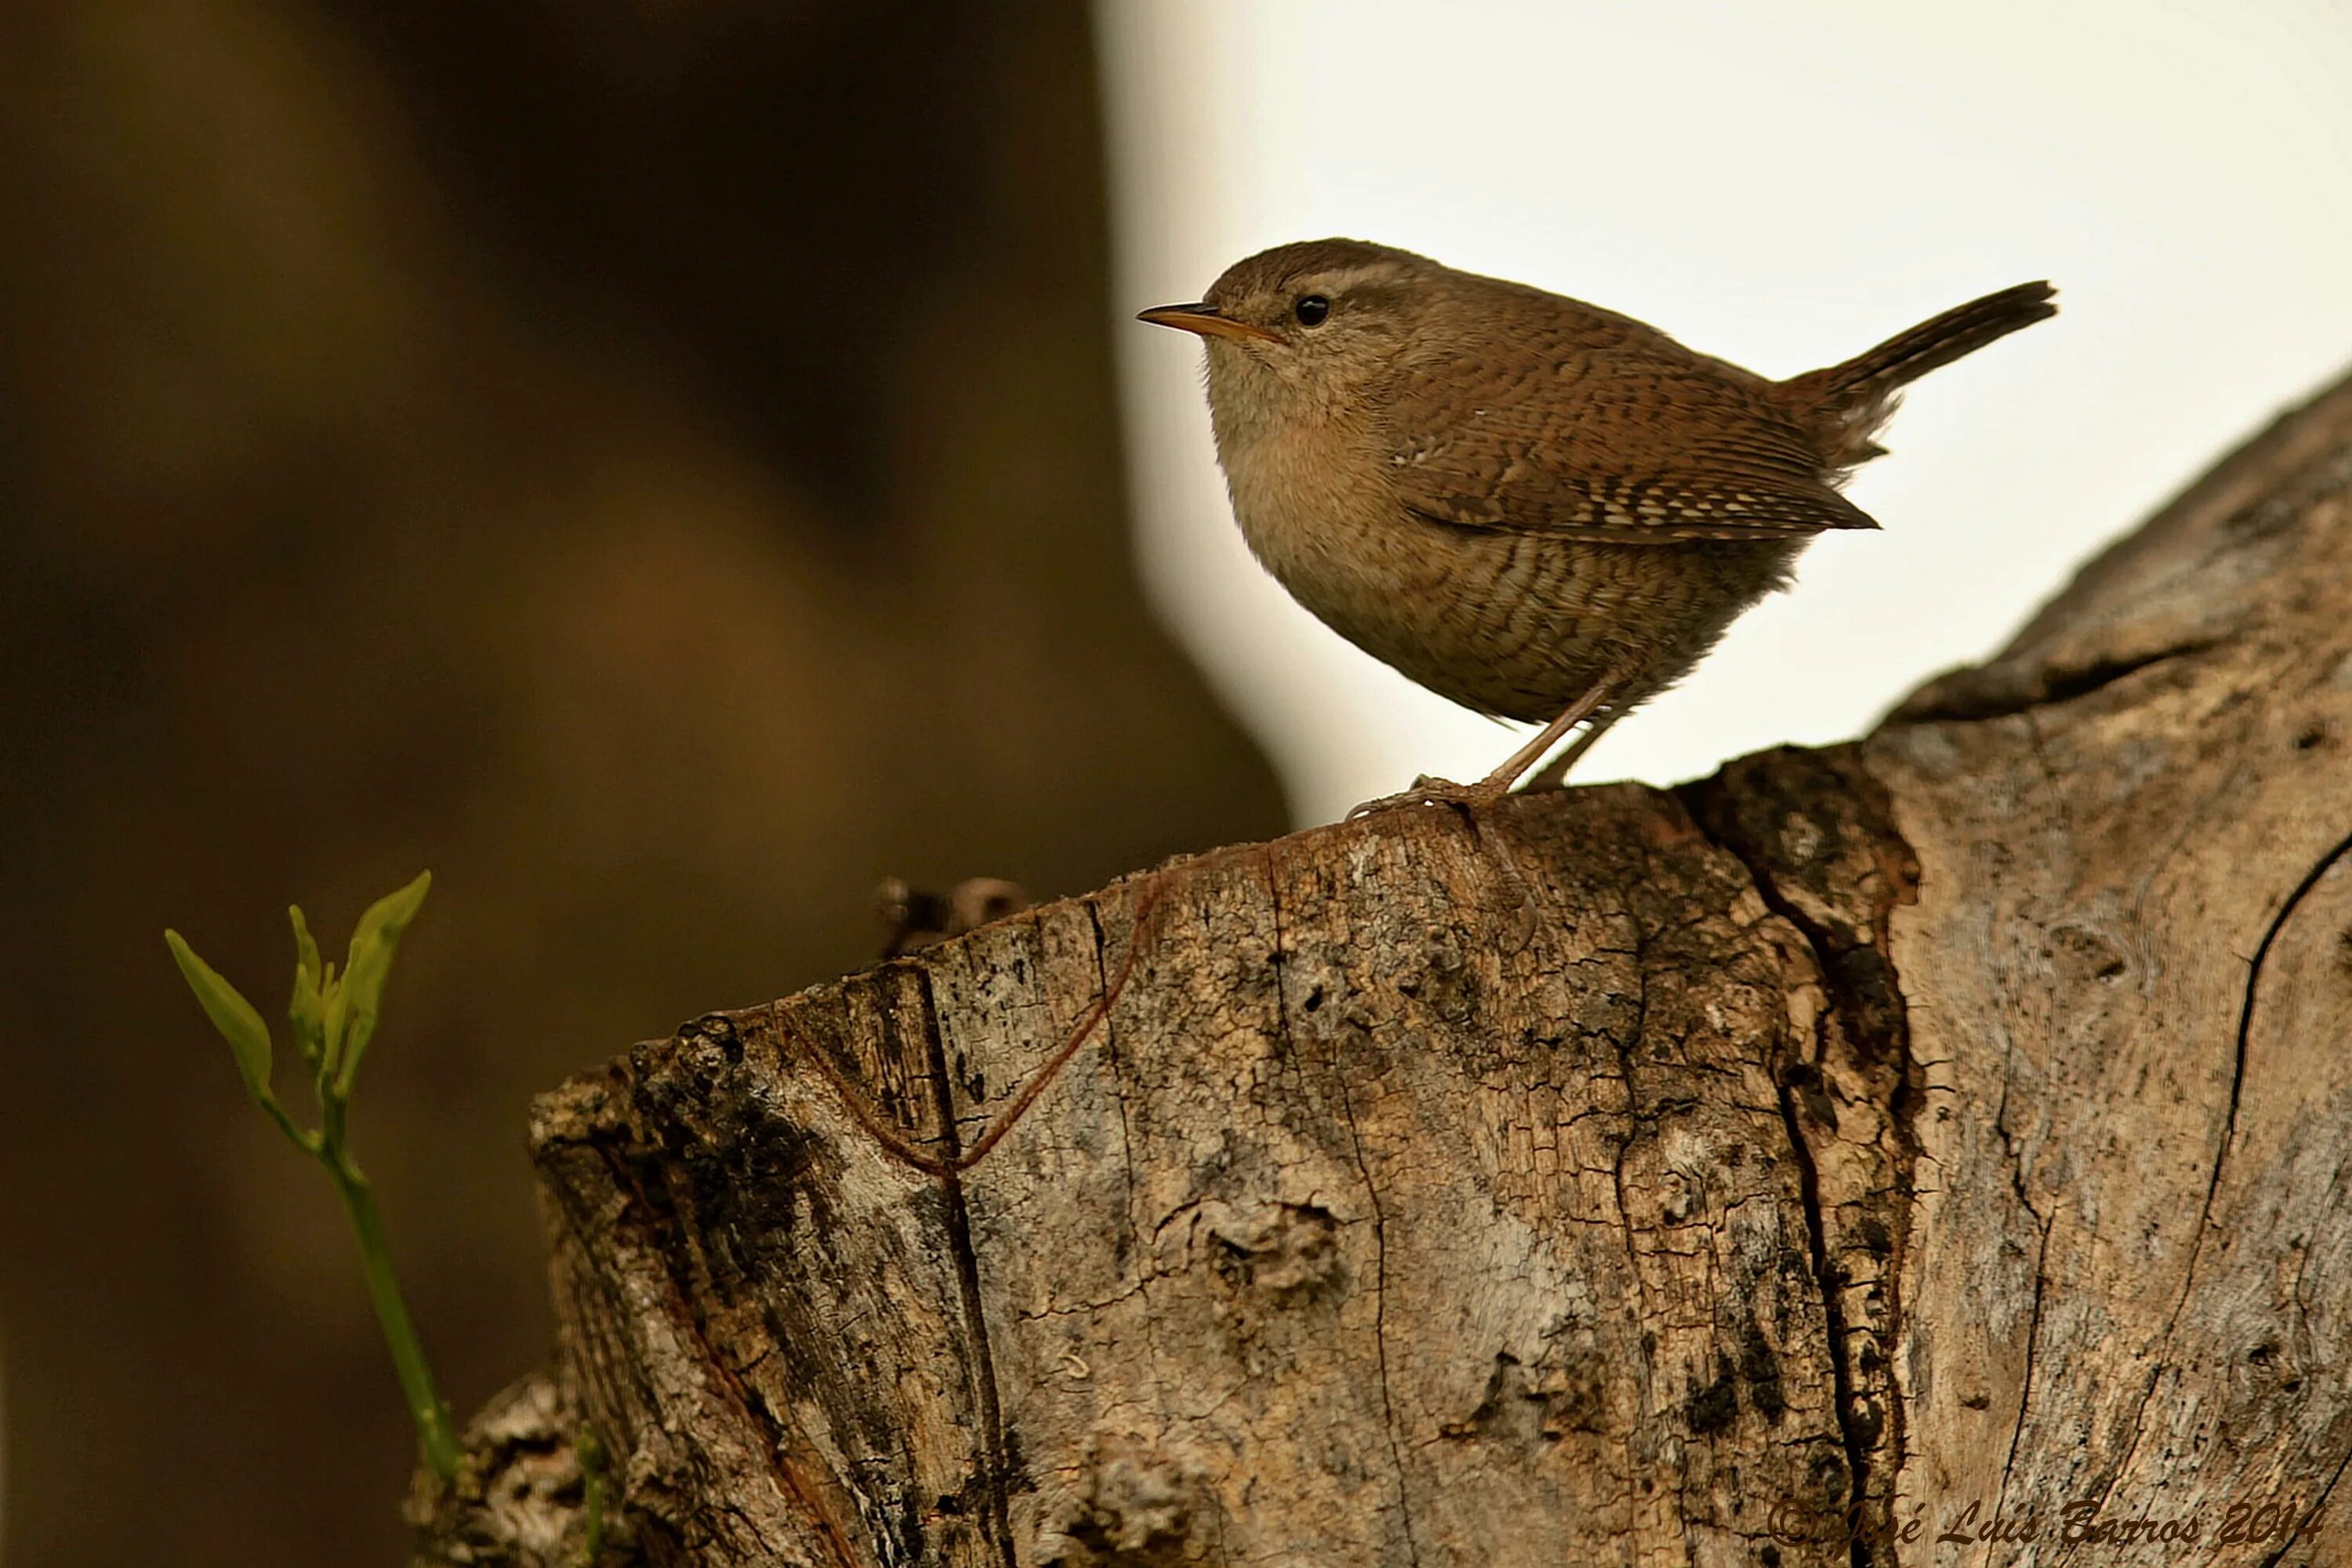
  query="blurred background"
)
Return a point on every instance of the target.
[
  {"x": 667, "y": 465},
  {"x": 656, "y": 464}
]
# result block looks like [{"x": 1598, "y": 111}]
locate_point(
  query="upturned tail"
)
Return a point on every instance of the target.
[{"x": 1852, "y": 397}]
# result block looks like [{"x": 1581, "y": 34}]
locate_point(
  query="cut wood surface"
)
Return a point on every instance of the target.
[{"x": 1945, "y": 1134}]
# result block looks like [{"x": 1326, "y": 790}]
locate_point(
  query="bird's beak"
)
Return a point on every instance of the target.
[{"x": 1204, "y": 319}]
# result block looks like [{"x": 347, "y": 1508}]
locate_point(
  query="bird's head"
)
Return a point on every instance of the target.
[{"x": 1305, "y": 330}]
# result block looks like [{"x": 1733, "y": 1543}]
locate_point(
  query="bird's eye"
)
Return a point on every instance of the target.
[{"x": 1310, "y": 310}]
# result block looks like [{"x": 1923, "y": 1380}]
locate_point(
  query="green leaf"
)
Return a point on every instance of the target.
[
  {"x": 306, "y": 951},
  {"x": 307, "y": 1010},
  {"x": 368, "y": 967},
  {"x": 232, "y": 1015},
  {"x": 332, "y": 989}
]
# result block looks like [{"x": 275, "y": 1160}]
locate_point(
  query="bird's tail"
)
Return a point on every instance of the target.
[
  {"x": 1935, "y": 343},
  {"x": 1855, "y": 396}
]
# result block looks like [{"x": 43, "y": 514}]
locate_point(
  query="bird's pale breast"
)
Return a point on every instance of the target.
[{"x": 1506, "y": 622}]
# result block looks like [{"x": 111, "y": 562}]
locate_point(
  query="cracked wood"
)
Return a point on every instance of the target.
[{"x": 1959, "y": 1116}]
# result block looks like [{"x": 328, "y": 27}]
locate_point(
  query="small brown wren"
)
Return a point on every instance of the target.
[{"x": 1538, "y": 508}]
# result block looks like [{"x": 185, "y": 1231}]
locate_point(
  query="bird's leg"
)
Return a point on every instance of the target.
[
  {"x": 1496, "y": 785},
  {"x": 1554, "y": 774}
]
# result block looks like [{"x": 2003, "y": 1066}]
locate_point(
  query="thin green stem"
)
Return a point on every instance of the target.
[
  {"x": 306, "y": 1141},
  {"x": 433, "y": 1431},
  {"x": 591, "y": 1475}
]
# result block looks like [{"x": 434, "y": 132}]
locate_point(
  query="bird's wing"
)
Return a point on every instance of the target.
[{"x": 1619, "y": 442}]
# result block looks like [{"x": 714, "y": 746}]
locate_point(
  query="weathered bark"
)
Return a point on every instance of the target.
[{"x": 1961, "y": 1117}]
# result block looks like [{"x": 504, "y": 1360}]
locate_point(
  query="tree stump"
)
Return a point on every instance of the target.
[{"x": 1944, "y": 1135}]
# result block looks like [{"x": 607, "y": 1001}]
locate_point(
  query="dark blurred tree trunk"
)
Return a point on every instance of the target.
[
  {"x": 654, "y": 465},
  {"x": 1956, "y": 1118}
]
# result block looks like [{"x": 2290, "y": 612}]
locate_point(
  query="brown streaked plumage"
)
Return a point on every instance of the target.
[{"x": 1538, "y": 508}]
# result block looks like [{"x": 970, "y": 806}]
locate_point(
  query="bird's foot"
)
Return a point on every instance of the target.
[
  {"x": 1467, "y": 799},
  {"x": 1471, "y": 801}
]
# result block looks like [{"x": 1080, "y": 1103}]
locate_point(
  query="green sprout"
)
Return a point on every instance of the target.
[{"x": 334, "y": 1017}]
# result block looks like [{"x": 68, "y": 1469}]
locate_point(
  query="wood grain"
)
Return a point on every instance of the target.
[{"x": 1961, "y": 1118}]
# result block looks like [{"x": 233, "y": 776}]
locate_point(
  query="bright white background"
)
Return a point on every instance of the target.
[{"x": 1783, "y": 184}]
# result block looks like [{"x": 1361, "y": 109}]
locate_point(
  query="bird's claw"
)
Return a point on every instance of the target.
[{"x": 1426, "y": 791}]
